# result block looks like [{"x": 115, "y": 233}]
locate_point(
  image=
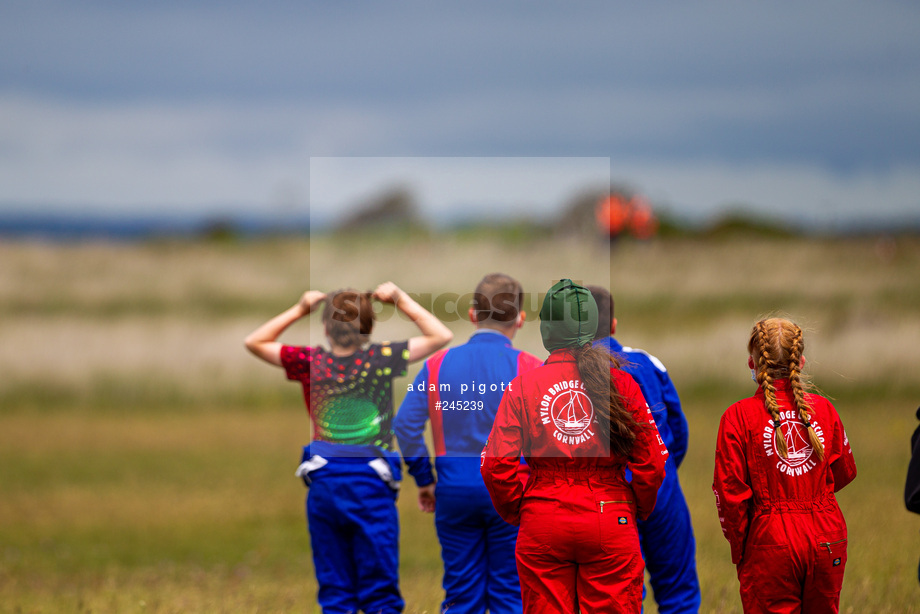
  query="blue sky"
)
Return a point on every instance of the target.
[{"x": 805, "y": 112}]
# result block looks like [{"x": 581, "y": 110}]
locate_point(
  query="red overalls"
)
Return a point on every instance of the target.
[
  {"x": 787, "y": 533},
  {"x": 578, "y": 545}
]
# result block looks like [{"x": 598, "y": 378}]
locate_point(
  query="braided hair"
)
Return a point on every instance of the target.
[{"x": 777, "y": 346}]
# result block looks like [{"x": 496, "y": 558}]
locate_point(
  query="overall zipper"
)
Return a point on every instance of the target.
[{"x": 602, "y": 503}]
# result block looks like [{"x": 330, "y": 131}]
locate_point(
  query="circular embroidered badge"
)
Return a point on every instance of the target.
[
  {"x": 799, "y": 450},
  {"x": 572, "y": 412}
]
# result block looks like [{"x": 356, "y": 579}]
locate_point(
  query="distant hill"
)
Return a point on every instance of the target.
[{"x": 129, "y": 228}]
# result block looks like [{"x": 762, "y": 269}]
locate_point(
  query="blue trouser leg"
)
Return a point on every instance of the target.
[
  {"x": 504, "y": 594},
  {"x": 477, "y": 547},
  {"x": 670, "y": 550},
  {"x": 376, "y": 551},
  {"x": 354, "y": 532},
  {"x": 463, "y": 550}
]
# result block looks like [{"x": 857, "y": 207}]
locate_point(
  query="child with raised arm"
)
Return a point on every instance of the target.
[
  {"x": 780, "y": 457},
  {"x": 351, "y": 466}
]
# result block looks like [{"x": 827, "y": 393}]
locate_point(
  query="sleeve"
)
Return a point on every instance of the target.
[
  {"x": 677, "y": 421},
  {"x": 912, "y": 485},
  {"x": 500, "y": 462},
  {"x": 649, "y": 452},
  {"x": 296, "y": 361},
  {"x": 409, "y": 425},
  {"x": 731, "y": 485},
  {"x": 842, "y": 463}
]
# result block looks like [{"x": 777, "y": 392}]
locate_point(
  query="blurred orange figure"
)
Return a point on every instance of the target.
[
  {"x": 642, "y": 223},
  {"x": 616, "y": 214},
  {"x": 612, "y": 214}
]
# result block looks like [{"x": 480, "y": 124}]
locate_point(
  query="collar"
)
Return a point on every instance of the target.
[
  {"x": 487, "y": 335},
  {"x": 780, "y": 385},
  {"x": 560, "y": 355}
]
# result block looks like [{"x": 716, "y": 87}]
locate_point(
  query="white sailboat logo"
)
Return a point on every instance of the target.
[
  {"x": 575, "y": 412},
  {"x": 798, "y": 448}
]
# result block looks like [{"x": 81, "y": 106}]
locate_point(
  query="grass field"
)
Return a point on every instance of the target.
[{"x": 146, "y": 461}]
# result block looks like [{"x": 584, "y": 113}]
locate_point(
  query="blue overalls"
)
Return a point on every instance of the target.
[
  {"x": 666, "y": 537},
  {"x": 354, "y": 526},
  {"x": 477, "y": 546}
]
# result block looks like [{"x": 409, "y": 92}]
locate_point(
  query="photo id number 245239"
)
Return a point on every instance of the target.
[{"x": 459, "y": 405}]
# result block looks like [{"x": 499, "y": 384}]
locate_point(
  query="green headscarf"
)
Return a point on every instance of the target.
[{"x": 568, "y": 317}]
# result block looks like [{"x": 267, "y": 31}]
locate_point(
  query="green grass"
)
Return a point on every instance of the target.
[
  {"x": 144, "y": 503},
  {"x": 146, "y": 461}
]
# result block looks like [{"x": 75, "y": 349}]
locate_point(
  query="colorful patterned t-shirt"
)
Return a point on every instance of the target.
[{"x": 349, "y": 398}]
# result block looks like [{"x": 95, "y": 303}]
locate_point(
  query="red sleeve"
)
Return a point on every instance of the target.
[
  {"x": 649, "y": 452},
  {"x": 500, "y": 462},
  {"x": 842, "y": 463},
  {"x": 731, "y": 484},
  {"x": 296, "y": 361}
]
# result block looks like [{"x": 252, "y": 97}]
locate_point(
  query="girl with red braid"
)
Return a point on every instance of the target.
[{"x": 780, "y": 457}]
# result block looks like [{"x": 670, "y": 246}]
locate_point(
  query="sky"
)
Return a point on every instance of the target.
[{"x": 804, "y": 111}]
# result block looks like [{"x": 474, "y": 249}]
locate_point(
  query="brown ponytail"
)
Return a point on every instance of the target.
[
  {"x": 594, "y": 364},
  {"x": 777, "y": 345},
  {"x": 349, "y": 318}
]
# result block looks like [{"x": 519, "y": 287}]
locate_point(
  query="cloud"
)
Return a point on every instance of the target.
[
  {"x": 180, "y": 105},
  {"x": 175, "y": 156},
  {"x": 256, "y": 158}
]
